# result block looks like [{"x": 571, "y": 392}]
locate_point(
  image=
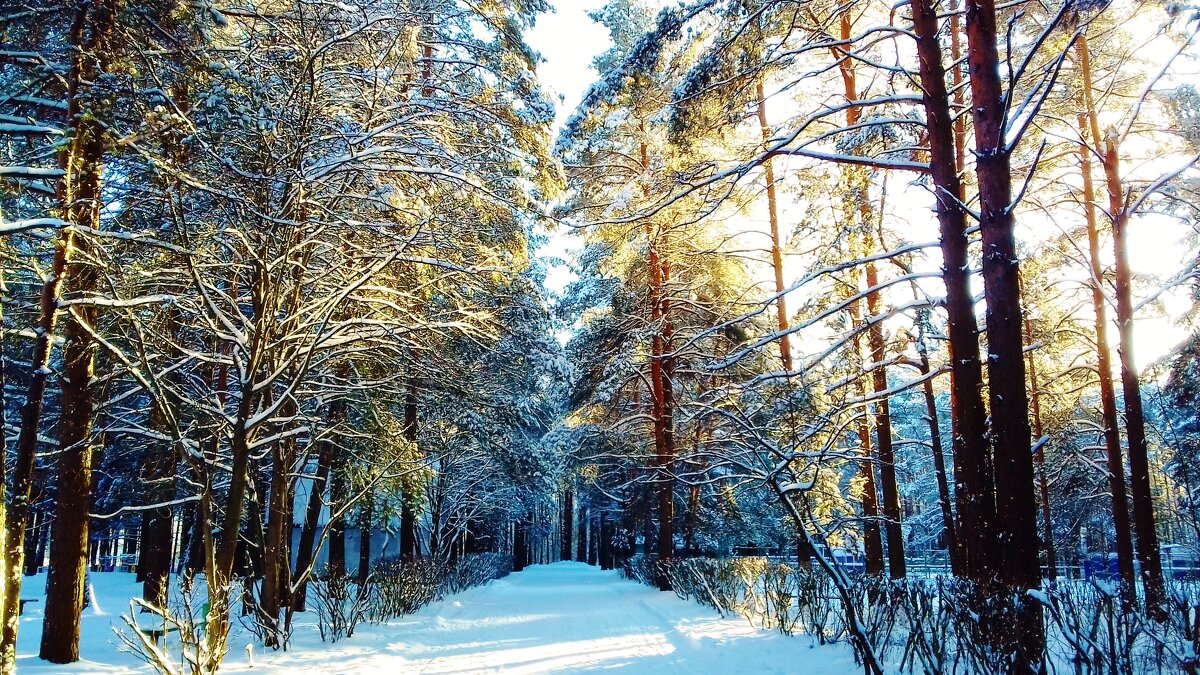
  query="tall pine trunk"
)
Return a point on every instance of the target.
[
  {"x": 897, "y": 568},
  {"x": 939, "y": 462},
  {"x": 154, "y": 549},
  {"x": 366, "y": 526},
  {"x": 1009, "y": 402},
  {"x": 974, "y": 490},
  {"x": 872, "y": 536},
  {"x": 785, "y": 345},
  {"x": 312, "y": 515},
  {"x": 277, "y": 567},
  {"x": 1135, "y": 420},
  {"x": 82, "y": 179},
  {"x": 662, "y": 399},
  {"x": 1135, "y": 424},
  {"x": 1104, "y": 367},
  {"x": 567, "y": 527},
  {"x": 70, "y": 190},
  {"x": 1035, "y": 400},
  {"x": 408, "y": 505},
  {"x": 337, "y": 524}
]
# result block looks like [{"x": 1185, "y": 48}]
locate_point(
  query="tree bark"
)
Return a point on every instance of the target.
[
  {"x": 365, "y": 527},
  {"x": 1135, "y": 424},
  {"x": 18, "y": 513},
  {"x": 897, "y": 568},
  {"x": 939, "y": 463},
  {"x": 974, "y": 488},
  {"x": 154, "y": 550},
  {"x": 408, "y": 506},
  {"x": 337, "y": 525},
  {"x": 871, "y": 532},
  {"x": 519, "y": 546},
  {"x": 662, "y": 401},
  {"x": 581, "y": 536},
  {"x": 1035, "y": 400},
  {"x": 1135, "y": 421},
  {"x": 312, "y": 515},
  {"x": 1104, "y": 367},
  {"x": 1009, "y": 403},
  {"x": 605, "y": 543},
  {"x": 567, "y": 527},
  {"x": 83, "y": 177},
  {"x": 785, "y": 345},
  {"x": 856, "y": 203},
  {"x": 277, "y": 562}
]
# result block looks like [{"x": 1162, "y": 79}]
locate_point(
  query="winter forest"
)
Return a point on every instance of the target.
[{"x": 810, "y": 336}]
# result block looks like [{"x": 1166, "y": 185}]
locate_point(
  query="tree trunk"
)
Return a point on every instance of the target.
[
  {"x": 1035, "y": 400},
  {"x": 872, "y": 538},
  {"x": 567, "y": 527},
  {"x": 581, "y": 536},
  {"x": 35, "y": 552},
  {"x": 855, "y": 203},
  {"x": 666, "y": 449},
  {"x": 238, "y": 485},
  {"x": 154, "y": 550},
  {"x": 408, "y": 506},
  {"x": 883, "y": 431},
  {"x": 974, "y": 489},
  {"x": 1135, "y": 423},
  {"x": 661, "y": 396},
  {"x": 692, "y": 520},
  {"x": 191, "y": 547},
  {"x": 69, "y": 547},
  {"x": 593, "y": 540},
  {"x": 276, "y": 556},
  {"x": 939, "y": 463},
  {"x": 70, "y": 191},
  {"x": 337, "y": 525},
  {"x": 158, "y": 524},
  {"x": 312, "y": 515},
  {"x": 605, "y": 543},
  {"x": 785, "y": 345},
  {"x": 1009, "y": 403},
  {"x": 365, "y": 527},
  {"x": 1104, "y": 370},
  {"x": 519, "y": 546}
]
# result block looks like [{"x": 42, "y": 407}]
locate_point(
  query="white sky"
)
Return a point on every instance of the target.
[{"x": 568, "y": 41}]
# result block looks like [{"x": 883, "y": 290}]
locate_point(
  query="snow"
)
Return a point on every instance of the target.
[
  {"x": 560, "y": 618},
  {"x": 31, "y": 224}
]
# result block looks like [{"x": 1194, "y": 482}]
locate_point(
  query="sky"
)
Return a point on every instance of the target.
[{"x": 568, "y": 41}]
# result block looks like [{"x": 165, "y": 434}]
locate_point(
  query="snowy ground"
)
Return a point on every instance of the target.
[{"x": 560, "y": 618}]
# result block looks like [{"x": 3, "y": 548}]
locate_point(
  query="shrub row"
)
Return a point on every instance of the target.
[
  {"x": 934, "y": 625},
  {"x": 396, "y": 587}
]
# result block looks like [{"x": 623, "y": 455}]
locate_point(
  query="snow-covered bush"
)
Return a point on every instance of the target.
[
  {"x": 400, "y": 586},
  {"x": 936, "y": 625},
  {"x": 178, "y": 636},
  {"x": 475, "y": 570},
  {"x": 341, "y": 603},
  {"x": 770, "y": 595}
]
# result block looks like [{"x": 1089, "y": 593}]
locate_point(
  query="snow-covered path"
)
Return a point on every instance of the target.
[
  {"x": 560, "y": 618},
  {"x": 569, "y": 617}
]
